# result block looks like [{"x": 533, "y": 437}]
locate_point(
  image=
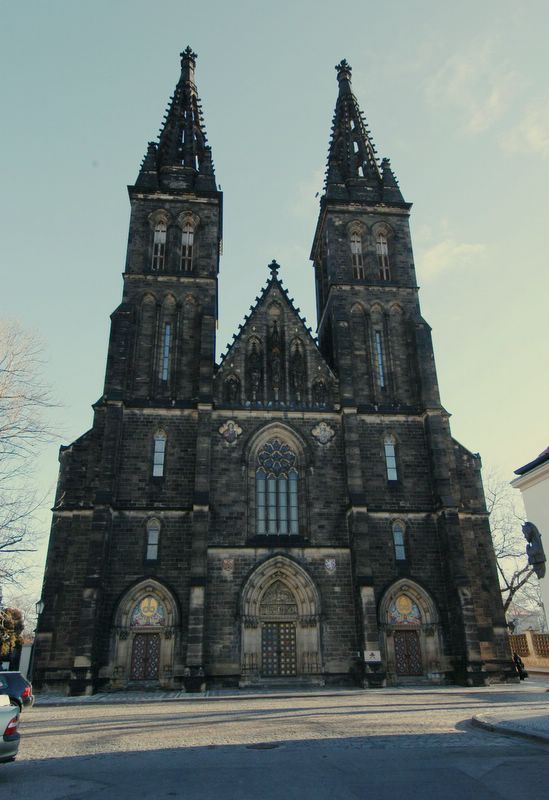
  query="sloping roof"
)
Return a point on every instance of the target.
[{"x": 541, "y": 459}]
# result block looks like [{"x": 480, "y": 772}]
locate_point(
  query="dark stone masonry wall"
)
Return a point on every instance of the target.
[{"x": 387, "y": 579}]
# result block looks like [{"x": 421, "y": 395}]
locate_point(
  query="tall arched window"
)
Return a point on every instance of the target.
[
  {"x": 159, "y": 454},
  {"x": 153, "y": 538},
  {"x": 356, "y": 255},
  {"x": 380, "y": 368},
  {"x": 389, "y": 447},
  {"x": 398, "y": 541},
  {"x": 187, "y": 241},
  {"x": 276, "y": 482},
  {"x": 165, "y": 355},
  {"x": 159, "y": 245},
  {"x": 382, "y": 250}
]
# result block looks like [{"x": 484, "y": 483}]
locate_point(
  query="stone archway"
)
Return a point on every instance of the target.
[
  {"x": 280, "y": 624},
  {"x": 144, "y": 637},
  {"x": 410, "y": 634}
]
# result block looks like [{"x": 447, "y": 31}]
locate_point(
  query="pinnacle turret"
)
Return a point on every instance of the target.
[
  {"x": 182, "y": 158},
  {"x": 353, "y": 171}
]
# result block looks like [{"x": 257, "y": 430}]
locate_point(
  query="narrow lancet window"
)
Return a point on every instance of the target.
[
  {"x": 187, "y": 241},
  {"x": 159, "y": 454},
  {"x": 356, "y": 256},
  {"x": 398, "y": 541},
  {"x": 389, "y": 447},
  {"x": 159, "y": 245},
  {"x": 382, "y": 250},
  {"x": 166, "y": 346},
  {"x": 378, "y": 340},
  {"x": 153, "y": 538},
  {"x": 276, "y": 490}
]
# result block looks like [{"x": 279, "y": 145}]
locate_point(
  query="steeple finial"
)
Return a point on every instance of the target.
[
  {"x": 188, "y": 64},
  {"x": 274, "y": 267},
  {"x": 183, "y": 159},
  {"x": 344, "y": 70}
]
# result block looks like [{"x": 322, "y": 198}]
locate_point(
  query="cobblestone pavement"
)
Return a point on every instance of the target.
[{"x": 334, "y": 745}]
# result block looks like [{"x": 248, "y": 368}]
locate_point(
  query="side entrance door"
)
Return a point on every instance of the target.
[
  {"x": 407, "y": 653},
  {"x": 278, "y": 649},
  {"x": 145, "y": 657}
]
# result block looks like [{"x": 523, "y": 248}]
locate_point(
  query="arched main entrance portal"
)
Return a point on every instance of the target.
[
  {"x": 280, "y": 617},
  {"x": 410, "y": 634},
  {"x": 144, "y": 637}
]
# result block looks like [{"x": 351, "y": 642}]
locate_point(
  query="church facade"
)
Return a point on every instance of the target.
[{"x": 297, "y": 512}]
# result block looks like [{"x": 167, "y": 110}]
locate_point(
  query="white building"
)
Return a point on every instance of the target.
[{"x": 533, "y": 482}]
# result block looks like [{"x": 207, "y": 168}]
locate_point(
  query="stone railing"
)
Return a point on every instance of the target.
[{"x": 532, "y": 647}]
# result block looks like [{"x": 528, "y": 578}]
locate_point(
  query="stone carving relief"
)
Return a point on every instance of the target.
[
  {"x": 323, "y": 433},
  {"x": 230, "y": 431},
  {"x": 278, "y": 601}
]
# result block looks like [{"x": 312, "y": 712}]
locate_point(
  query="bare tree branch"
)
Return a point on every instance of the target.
[
  {"x": 518, "y": 581},
  {"x": 24, "y": 399}
]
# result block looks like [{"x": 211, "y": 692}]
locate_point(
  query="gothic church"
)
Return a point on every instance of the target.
[{"x": 297, "y": 513}]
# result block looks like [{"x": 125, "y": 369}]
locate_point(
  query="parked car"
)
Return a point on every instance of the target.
[
  {"x": 18, "y": 689},
  {"x": 9, "y": 736}
]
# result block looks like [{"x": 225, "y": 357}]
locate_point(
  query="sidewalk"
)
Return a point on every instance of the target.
[{"x": 533, "y": 726}]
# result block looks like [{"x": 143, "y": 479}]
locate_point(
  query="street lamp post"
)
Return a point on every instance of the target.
[{"x": 39, "y": 607}]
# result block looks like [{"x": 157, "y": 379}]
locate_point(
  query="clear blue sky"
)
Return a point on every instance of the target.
[{"x": 455, "y": 94}]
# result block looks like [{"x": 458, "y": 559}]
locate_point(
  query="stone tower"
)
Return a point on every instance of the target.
[{"x": 298, "y": 511}]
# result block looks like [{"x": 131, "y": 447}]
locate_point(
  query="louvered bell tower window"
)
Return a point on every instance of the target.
[
  {"x": 356, "y": 256},
  {"x": 159, "y": 245},
  {"x": 382, "y": 249},
  {"x": 277, "y": 490},
  {"x": 187, "y": 241}
]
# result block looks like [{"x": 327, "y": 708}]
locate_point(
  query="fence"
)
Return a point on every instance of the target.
[{"x": 532, "y": 647}]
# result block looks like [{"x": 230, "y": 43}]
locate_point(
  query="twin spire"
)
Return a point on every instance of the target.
[
  {"x": 353, "y": 172},
  {"x": 182, "y": 159}
]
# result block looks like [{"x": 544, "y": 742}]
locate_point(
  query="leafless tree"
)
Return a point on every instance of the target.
[
  {"x": 518, "y": 581},
  {"x": 24, "y": 398}
]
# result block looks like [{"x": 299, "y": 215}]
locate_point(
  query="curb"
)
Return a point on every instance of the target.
[
  {"x": 106, "y": 701},
  {"x": 508, "y": 729}
]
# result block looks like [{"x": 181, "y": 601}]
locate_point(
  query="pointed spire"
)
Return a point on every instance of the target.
[
  {"x": 182, "y": 157},
  {"x": 391, "y": 190},
  {"x": 353, "y": 172}
]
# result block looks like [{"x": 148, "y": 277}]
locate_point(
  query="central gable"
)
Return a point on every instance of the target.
[{"x": 274, "y": 360}]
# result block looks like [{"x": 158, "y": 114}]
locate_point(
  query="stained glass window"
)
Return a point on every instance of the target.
[
  {"x": 148, "y": 611},
  {"x": 403, "y": 611},
  {"x": 276, "y": 489}
]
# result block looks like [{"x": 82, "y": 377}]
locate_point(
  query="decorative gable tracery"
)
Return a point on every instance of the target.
[{"x": 274, "y": 360}]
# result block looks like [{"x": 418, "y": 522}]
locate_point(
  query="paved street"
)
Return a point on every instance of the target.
[{"x": 379, "y": 744}]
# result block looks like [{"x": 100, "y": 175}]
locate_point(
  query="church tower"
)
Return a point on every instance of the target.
[
  {"x": 133, "y": 491},
  {"x": 403, "y": 467},
  {"x": 296, "y": 512}
]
